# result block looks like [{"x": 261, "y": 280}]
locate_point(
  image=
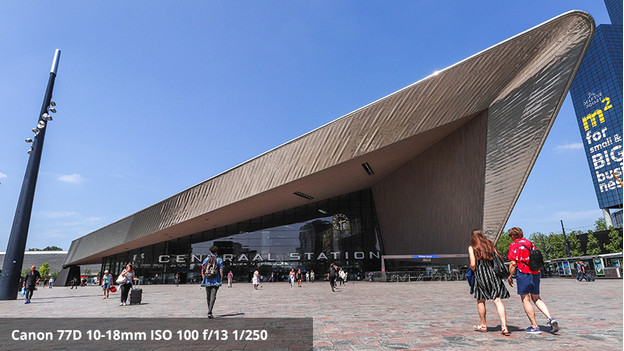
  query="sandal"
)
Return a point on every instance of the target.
[
  {"x": 479, "y": 328},
  {"x": 505, "y": 332}
]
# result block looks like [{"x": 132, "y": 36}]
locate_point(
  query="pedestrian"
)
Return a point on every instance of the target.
[
  {"x": 332, "y": 276},
  {"x": 487, "y": 285},
  {"x": 51, "y": 283},
  {"x": 312, "y": 276},
  {"x": 584, "y": 274},
  {"x": 341, "y": 276},
  {"x": 299, "y": 277},
  {"x": 212, "y": 274},
  {"x": 74, "y": 283},
  {"x": 291, "y": 277},
  {"x": 125, "y": 280},
  {"x": 255, "y": 280},
  {"x": 578, "y": 270},
  {"x": 107, "y": 281},
  {"x": 307, "y": 277},
  {"x": 30, "y": 283},
  {"x": 528, "y": 281},
  {"x": 230, "y": 276},
  {"x": 176, "y": 279}
]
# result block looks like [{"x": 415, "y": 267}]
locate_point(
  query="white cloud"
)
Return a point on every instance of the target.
[
  {"x": 571, "y": 146},
  {"x": 58, "y": 214},
  {"x": 578, "y": 215},
  {"x": 71, "y": 178},
  {"x": 2, "y": 175}
]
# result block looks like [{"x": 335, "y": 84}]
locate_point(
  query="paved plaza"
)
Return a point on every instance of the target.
[{"x": 369, "y": 316}]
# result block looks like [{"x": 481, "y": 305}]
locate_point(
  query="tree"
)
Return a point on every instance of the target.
[
  {"x": 593, "y": 247},
  {"x": 601, "y": 224},
  {"x": 44, "y": 270},
  {"x": 54, "y": 275},
  {"x": 502, "y": 245},
  {"x": 542, "y": 242},
  {"x": 615, "y": 241},
  {"x": 52, "y": 248},
  {"x": 558, "y": 245},
  {"x": 575, "y": 244}
]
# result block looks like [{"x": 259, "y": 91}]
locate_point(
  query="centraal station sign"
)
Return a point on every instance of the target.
[{"x": 293, "y": 256}]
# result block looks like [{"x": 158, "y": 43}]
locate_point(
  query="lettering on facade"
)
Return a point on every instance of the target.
[{"x": 293, "y": 256}]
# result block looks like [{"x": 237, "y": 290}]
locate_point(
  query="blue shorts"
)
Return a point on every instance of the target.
[
  {"x": 527, "y": 283},
  {"x": 106, "y": 286}
]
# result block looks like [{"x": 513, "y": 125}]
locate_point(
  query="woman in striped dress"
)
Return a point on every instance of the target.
[{"x": 487, "y": 285}]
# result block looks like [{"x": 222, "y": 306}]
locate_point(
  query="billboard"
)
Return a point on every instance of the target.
[{"x": 597, "y": 97}]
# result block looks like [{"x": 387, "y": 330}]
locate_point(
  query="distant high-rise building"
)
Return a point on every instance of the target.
[{"x": 597, "y": 96}]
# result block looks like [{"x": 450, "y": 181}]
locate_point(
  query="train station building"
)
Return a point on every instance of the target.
[{"x": 409, "y": 174}]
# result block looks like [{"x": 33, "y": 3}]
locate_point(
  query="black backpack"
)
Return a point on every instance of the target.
[
  {"x": 536, "y": 260},
  {"x": 211, "y": 269}
]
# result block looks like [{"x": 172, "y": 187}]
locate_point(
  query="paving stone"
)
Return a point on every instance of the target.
[{"x": 370, "y": 316}]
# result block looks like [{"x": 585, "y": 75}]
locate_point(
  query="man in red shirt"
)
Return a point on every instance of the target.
[{"x": 528, "y": 281}]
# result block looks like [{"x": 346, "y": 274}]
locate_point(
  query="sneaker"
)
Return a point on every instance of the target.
[
  {"x": 533, "y": 330},
  {"x": 26, "y": 302},
  {"x": 210, "y": 316},
  {"x": 554, "y": 325},
  {"x": 121, "y": 304}
]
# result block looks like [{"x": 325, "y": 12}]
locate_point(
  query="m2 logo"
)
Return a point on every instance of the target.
[{"x": 598, "y": 113}]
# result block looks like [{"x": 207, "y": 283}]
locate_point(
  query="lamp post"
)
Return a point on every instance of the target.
[{"x": 11, "y": 270}]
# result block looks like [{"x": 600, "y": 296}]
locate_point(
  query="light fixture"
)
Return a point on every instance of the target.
[
  {"x": 29, "y": 151},
  {"x": 41, "y": 125},
  {"x": 368, "y": 168},
  {"x": 35, "y": 130},
  {"x": 52, "y": 109},
  {"x": 28, "y": 140},
  {"x": 306, "y": 196},
  {"x": 52, "y": 103},
  {"x": 46, "y": 116}
]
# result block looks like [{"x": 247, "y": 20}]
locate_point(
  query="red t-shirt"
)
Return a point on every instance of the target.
[{"x": 519, "y": 252}]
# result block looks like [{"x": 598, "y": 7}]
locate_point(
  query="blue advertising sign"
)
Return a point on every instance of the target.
[{"x": 597, "y": 97}]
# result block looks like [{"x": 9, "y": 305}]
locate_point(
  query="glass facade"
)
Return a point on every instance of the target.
[
  {"x": 342, "y": 230},
  {"x": 597, "y": 97}
]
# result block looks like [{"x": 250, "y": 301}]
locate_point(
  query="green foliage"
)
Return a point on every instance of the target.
[
  {"x": 601, "y": 224},
  {"x": 502, "y": 245},
  {"x": 615, "y": 241},
  {"x": 575, "y": 244},
  {"x": 593, "y": 247},
  {"x": 25, "y": 271},
  {"x": 47, "y": 248},
  {"x": 52, "y": 248},
  {"x": 558, "y": 245},
  {"x": 542, "y": 242},
  {"x": 44, "y": 270},
  {"x": 54, "y": 275}
]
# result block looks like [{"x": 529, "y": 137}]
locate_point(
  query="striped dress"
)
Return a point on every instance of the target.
[{"x": 487, "y": 285}]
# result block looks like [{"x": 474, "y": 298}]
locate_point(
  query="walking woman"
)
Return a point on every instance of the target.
[
  {"x": 487, "y": 285},
  {"x": 126, "y": 285}
]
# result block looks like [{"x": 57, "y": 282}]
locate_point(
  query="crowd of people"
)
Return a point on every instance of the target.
[{"x": 484, "y": 277}]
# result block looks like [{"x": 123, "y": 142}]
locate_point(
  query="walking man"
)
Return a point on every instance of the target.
[
  {"x": 528, "y": 281},
  {"x": 30, "y": 283},
  {"x": 332, "y": 276},
  {"x": 212, "y": 274}
]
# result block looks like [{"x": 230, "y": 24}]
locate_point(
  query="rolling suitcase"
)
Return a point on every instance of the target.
[{"x": 136, "y": 296}]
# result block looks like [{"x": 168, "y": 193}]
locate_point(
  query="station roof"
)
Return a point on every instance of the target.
[{"x": 520, "y": 82}]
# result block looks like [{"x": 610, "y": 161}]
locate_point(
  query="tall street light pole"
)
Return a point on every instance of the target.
[{"x": 12, "y": 268}]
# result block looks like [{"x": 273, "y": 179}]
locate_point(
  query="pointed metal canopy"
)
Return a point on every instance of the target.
[{"x": 520, "y": 82}]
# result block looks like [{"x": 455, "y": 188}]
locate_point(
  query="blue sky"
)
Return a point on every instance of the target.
[{"x": 155, "y": 97}]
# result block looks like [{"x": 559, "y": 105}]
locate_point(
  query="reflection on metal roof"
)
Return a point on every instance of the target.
[{"x": 521, "y": 82}]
